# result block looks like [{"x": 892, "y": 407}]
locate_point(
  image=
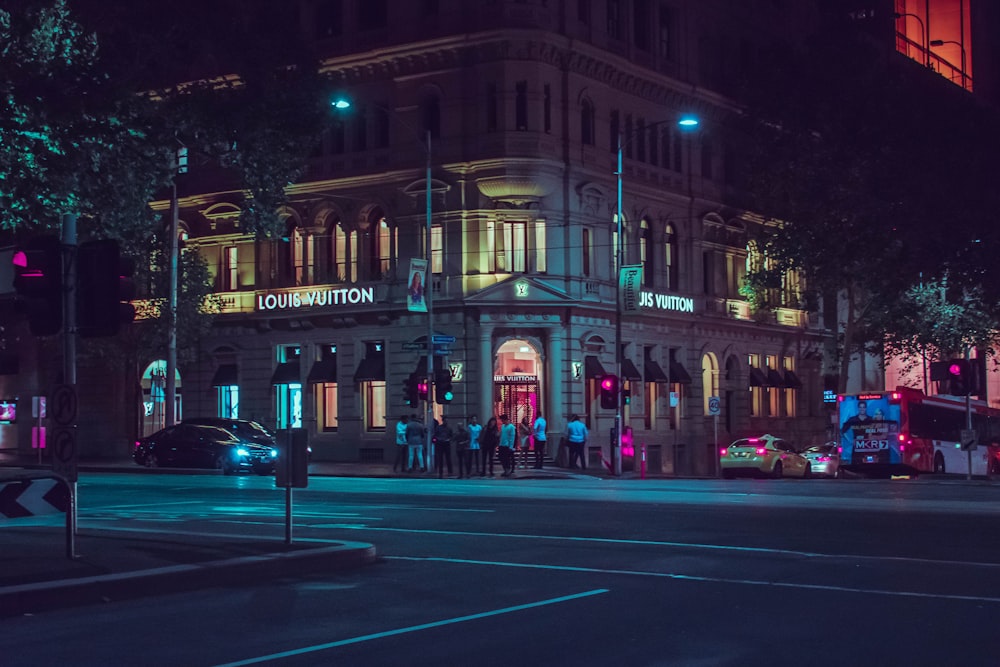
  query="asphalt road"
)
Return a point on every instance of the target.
[{"x": 558, "y": 572}]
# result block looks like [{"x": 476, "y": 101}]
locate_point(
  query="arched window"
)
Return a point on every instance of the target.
[
  {"x": 709, "y": 378},
  {"x": 377, "y": 245},
  {"x": 670, "y": 258},
  {"x": 344, "y": 253},
  {"x": 646, "y": 252},
  {"x": 587, "y": 123},
  {"x": 299, "y": 250}
]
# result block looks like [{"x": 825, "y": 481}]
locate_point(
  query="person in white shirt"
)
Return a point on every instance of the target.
[
  {"x": 538, "y": 430},
  {"x": 508, "y": 433},
  {"x": 402, "y": 451}
]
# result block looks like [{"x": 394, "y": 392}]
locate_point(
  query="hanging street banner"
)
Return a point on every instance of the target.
[
  {"x": 629, "y": 286},
  {"x": 415, "y": 286}
]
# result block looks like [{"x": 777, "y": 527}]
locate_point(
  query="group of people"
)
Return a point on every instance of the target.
[{"x": 475, "y": 445}]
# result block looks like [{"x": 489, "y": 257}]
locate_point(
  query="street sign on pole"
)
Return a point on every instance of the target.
[
  {"x": 415, "y": 346},
  {"x": 441, "y": 338}
]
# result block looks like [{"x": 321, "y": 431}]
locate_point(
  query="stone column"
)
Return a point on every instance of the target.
[{"x": 484, "y": 385}]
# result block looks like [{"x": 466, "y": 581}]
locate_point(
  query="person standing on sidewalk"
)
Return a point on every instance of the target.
[
  {"x": 524, "y": 439},
  {"x": 474, "y": 429},
  {"x": 489, "y": 440},
  {"x": 442, "y": 446},
  {"x": 416, "y": 436},
  {"x": 576, "y": 436},
  {"x": 461, "y": 440},
  {"x": 508, "y": 436},
  {"x": 402, "y": 448},
  {"x": 539, "y": 432}
]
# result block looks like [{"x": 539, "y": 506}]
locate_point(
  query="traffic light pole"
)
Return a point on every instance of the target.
[
  {"x": 69, "y": 353},
  {"x": 170, "y": 388},
  {"x": 968, "y": 417}
]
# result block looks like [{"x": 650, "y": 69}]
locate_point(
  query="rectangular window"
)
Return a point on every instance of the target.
[
  {"x": 326, "y": 405},
  {"x": 652, "y": 393},
  {"x": 514, "y": 240},
  {"x": 583, "y": 11},
  {"x": 664, "y": 35},
  {"x": 587, "y": 251},
  {"x": 773, "y": 392},
  {"x": 338, "y": 143},
  {"x": 491, "y": 107},
  {"x": 756, "y": 391},
  {"x": 521, "y": 105},
  {"x": 231, "y": 269},
  {"x": 375, "y": 408},
  {"x": 614, "y": 19},
  {"x": 381, "y": 126},
  {"x": 328, "y": 19},
  {"x": 640, "y": 135},
  {"x": 654, "y": 145},
  {"x": 288, "y": 405},
  {"x": 627, "y": 137},
  {"x": 541, "y": 265},
  {"x": 640, "y": 24},
  {"x": 675, "y": 144},
  {"x": 361, "y": 129},
  {"x": 437, "y": 249},
  {"x": 547, "y": 107},
  {"x": 385, "y": 246},
  {"x": 706, "y": 159},
  {"x": 228, "y": 402},
  {"x": 614, "y": 130},
  {"x": 492, "y": 254},
  {"x": 791, "y": 393}
]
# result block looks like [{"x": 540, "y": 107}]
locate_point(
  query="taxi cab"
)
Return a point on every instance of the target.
[{"x": 764, "y": 455}]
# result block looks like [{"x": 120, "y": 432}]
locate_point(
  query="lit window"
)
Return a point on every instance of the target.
[
  {"x": 541, "y": 264},
  {"x": 228, "y": 402},
  {"x": 231, "y": 271},
  {"x": 375, "y": 408},
  {"x": 437, "y": 249}
]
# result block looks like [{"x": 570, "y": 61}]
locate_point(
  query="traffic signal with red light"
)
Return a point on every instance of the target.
[
  {"x": 38, "y": 282},
  {"x": 104, "y": 289},
  {"x": 422, "y": 389},
  {"x": 960, "y": 380},
  {"x": 609, "y": 392}
]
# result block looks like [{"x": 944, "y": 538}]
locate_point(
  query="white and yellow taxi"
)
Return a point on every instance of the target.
[{"x": 765, "y": 455}]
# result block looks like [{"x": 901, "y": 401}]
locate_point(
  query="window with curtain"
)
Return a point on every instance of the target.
[
  {"x": 756, "y": 391},
  {"x": 587, "y": 123},
  {"x": 345, "y": 253},
  {"x": 300, "y": 256},
  {"x": 670, "y": 264},
  {"x": 587, "y": 249},
  {"x": 547, "y": 107},
  {"x": 521, "y": 105},
  {"x": 326, "y": 394},
  {"x": 437, "y": 249},
  {"x": 230, "y": 268},
  {"x": 646, "y": 253},
  {"x": 541, "y": 249},
  {"x": 228, "y": 402}
]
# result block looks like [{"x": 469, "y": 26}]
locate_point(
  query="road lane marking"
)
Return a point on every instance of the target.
[
  {"x": 703, "y": 579},
  {"x": 412, "y": 628}
]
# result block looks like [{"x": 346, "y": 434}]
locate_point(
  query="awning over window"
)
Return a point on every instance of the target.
[
  {"x": 629, "y": 371},
  {"x": 774, "y": 378},
  {"x": 653, "y": 372},
  {"x": 592, "y": 368},
  {"x": 324, "y": 370},
  {"x": 371, "y": 368},
  {"x": 287, "y": 373},
  {"x": 678, "y": 374},
  {"x": 757, "y": 378},
  {"x": 792, "y": 380},
  {"x": 225, "y": 376}
]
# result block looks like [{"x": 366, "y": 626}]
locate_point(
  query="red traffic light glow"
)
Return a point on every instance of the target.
[
  {"x": 955, "y": 369},
  {"x": 608, "y": 383},
  {"x": 21, "y": 259}
]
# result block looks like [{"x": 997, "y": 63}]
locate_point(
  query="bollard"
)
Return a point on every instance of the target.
[{"x": 642, "y": 469}]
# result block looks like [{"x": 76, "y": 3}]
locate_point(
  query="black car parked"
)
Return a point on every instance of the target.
[{"x": 188, "y": 445}]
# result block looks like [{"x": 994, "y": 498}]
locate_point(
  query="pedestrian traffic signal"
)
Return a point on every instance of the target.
[
  {"x": 626, "y": 396},
  {"x": 38, "y": 282},
  {"x": 609, "y": 392},
  {"x": 442, "y": 386},
  {"x": 960, "y": 377},
  {"x": 104, "y": 289},
  {"x": 411, "y": 394}
]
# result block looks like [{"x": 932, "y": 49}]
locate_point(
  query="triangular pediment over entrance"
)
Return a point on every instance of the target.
[{"x": 519, "y": 289}]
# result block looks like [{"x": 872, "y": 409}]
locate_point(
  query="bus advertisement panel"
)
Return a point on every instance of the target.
[{"x": 869, "y": 430}]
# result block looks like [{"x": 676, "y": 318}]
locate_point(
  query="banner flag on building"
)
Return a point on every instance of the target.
[
  {"x": 630, "y": 286},
  {"x": 416, "y": 284}
]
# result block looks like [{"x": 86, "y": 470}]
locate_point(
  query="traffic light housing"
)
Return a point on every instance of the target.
[
  {"x": 626, "y": 396},
  {"x": 609, "y": 392},
  {"x": 422, "y": 389},
  {"x": 443, "y": 390},
  {"x": 960, "y": 380},
  {"x": 410, "y": 393},
  {"x": 38, "y": 282},
  {"x": 105, "y": 289}
]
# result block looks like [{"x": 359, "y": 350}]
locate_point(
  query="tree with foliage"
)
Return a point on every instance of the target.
[{"x": 878, "y": 172}]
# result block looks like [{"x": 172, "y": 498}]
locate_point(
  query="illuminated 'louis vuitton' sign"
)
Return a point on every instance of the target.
[{"x": 315, "y": 298}]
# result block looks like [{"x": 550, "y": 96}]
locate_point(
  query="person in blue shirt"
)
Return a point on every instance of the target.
[
  {"x": 475, "y": 429},
  {"x": 508, "y": 435},
  {"x": 576, "y": 436}
]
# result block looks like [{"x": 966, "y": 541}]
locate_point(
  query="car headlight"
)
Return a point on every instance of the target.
[
  {"x": 274, "y": 453},
  {"x": 242, "y": 452}
]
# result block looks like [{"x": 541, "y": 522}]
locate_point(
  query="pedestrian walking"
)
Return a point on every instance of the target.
[
  {"x": 402, "y": 447},
  {"x": 489, "y": 440},
  {"x": 442, "y": 446},
  {"x": 461, "y": 441},
  {"x": 474, "y": 429},
  {"x": 416, "y": 436},
  {"x": 576, "y": 436},
  {"x": 540, "y": 439},
  {"x": 508, "y": 434}
]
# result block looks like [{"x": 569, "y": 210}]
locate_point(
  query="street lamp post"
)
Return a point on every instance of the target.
[
  {"x": 685, "y": 122},
  {"x": 343, "y": 104},
  {"x": 942, "y": 42},
  {"x": 923, "y": 30}
]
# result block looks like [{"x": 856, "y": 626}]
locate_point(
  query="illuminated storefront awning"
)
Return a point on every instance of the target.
[
  {"x": 653, "y": 372},
  {"x": 225, "y": 376},
  {"x": 287, "y": 373},
  {"x": 774, "y": 378},
  {"x": 792, "y": 380},
  {"x": 324, "y": 370},
  {"x": 629, "y": 371},
  {"x": 592, "y": 368},
  {"x": 757, "y": 378},
  {"x": 371, "y": 368},
  {"x": 678, "y": 374}
]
